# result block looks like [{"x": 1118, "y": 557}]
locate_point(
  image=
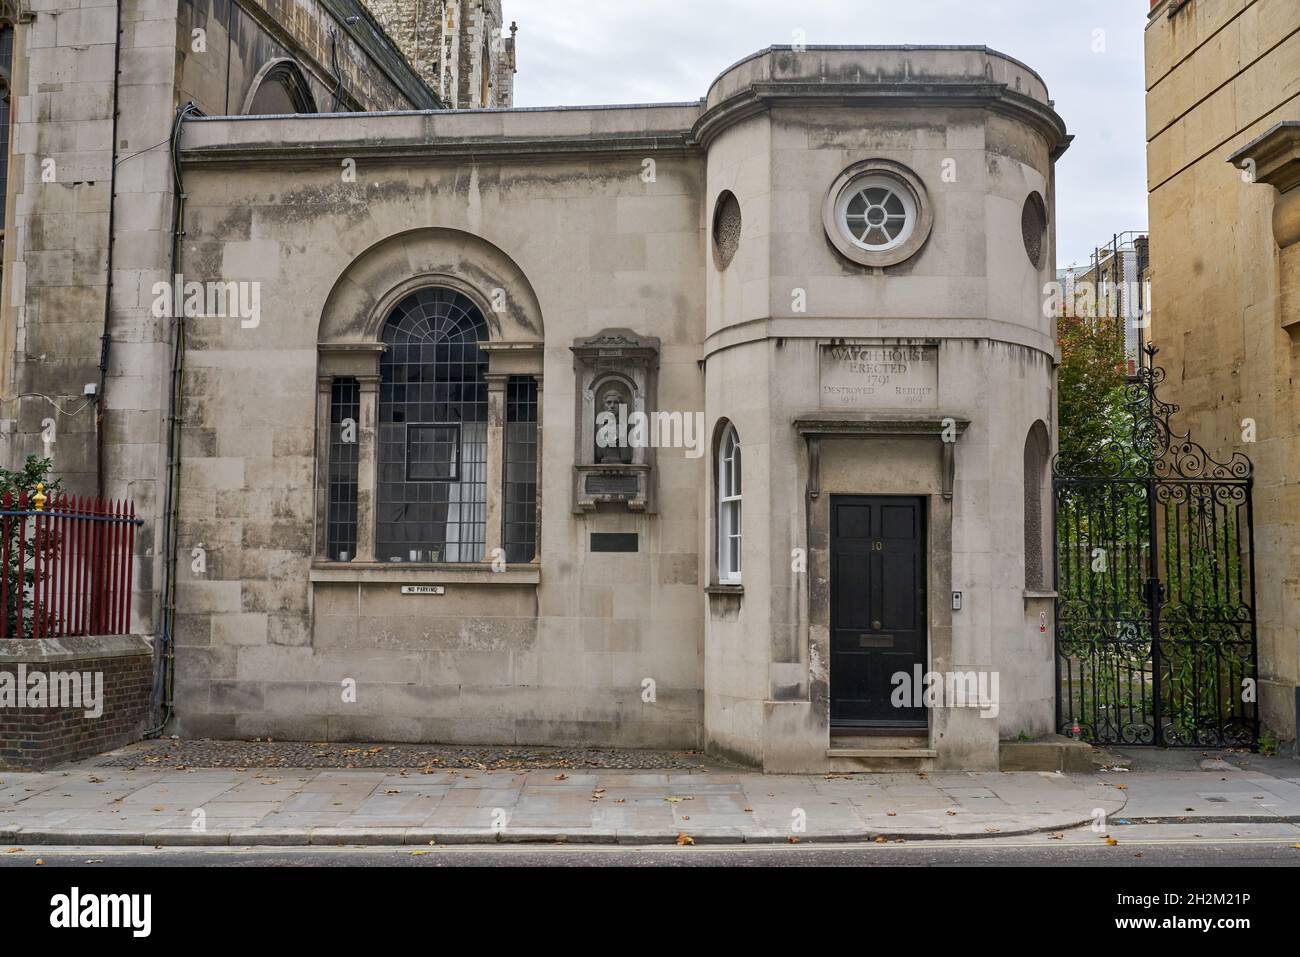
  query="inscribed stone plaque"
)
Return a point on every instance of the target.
[
  {"x": 879, "y": 377},
  {"x": 611, "y": 484}
]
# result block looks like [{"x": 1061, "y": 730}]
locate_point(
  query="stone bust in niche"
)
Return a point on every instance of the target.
[
  {"x": 616, "y": 374},
  {"x": 612, "y": 447}
]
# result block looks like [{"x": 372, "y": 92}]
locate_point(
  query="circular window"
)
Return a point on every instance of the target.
[
  {"x": 877, "y": 213},
  {"x": 1033, "y": 228},
  {"x": 726, "y": 229}
]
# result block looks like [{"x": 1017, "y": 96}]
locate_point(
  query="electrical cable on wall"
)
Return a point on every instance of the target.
[{"x": 164, "y": 678}]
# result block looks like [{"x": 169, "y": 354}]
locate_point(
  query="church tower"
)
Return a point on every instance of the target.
[{"x": 462, "y": 48}]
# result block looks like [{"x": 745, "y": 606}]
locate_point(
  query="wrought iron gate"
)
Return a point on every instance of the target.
[{"x": 1155, "y": 576}]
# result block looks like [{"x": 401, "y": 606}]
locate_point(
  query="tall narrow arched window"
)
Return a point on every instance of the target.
[
  {"x": 1037, "y": 448},
  {"x": 729, "y": 507},
  {"x": 433, "y": 425}
]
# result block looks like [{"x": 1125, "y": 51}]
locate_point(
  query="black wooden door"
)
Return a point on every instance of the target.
[{"x": 878, "y": 572}]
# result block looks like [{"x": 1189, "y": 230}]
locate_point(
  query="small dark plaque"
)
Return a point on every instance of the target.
[
  {"x": 611, "y": 484},
  {"x": 613, "y": 541}
]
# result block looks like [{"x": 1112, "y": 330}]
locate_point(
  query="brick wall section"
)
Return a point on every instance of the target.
[{"x": 36, "y": 738}]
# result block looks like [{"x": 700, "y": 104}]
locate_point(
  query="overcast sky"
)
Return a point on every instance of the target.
[{"x": 574, "y": 52}]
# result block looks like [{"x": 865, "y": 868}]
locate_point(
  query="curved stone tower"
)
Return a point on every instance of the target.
[{"x": 875, "y": 334}]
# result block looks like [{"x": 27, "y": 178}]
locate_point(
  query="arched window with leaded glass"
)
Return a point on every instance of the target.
[{"x": 433, "y": 431}]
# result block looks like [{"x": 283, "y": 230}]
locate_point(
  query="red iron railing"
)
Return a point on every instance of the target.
[{"x": 65, "y": 565}]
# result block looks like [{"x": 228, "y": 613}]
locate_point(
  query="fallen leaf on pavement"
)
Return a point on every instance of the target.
[
  {"x": 792, "y": 839},
  {"x": 684, "y": 839},
  {"x": 1111, "y": 841}
]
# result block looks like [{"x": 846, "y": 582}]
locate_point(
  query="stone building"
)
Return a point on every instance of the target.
[
  {"x": 461, "y": 48},
  {"x": 1115, "y": 285},
  {"x": 453, "y": 448},
  {"x": 1223, "y": 131},
  {"x": 824, "y": 263}
]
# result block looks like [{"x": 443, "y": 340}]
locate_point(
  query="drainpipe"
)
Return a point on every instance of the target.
[{"x": 165, "y": 674}]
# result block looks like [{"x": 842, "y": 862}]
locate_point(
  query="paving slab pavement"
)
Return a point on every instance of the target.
[{"x": 108, "y": 801}]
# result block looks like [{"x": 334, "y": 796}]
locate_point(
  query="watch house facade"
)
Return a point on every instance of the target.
[{"x": 672, "y": 425}]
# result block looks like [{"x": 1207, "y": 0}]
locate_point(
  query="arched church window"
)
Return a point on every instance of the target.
[{"x": 433, "y": 431}]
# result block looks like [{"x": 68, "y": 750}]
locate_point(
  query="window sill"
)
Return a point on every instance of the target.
[
  {"x": 395, "y": 573},
  {"x": 1032, "y": 593},
  {"x": 725, "y": 589}
]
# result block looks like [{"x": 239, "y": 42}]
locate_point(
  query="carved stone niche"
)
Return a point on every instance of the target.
[{"x": 617, "y": 376}]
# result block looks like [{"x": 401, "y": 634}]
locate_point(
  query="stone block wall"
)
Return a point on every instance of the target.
[{"x": 1218, "y": 76}]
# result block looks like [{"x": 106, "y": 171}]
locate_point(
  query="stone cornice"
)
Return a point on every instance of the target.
[
  {"x": 1274, "y": 157},
  {"x": 758, "y": 97},
  {"x": 432, "y": 142},
  {"x": 472, "y": 149},
  {"x": 833, "y": 424}
]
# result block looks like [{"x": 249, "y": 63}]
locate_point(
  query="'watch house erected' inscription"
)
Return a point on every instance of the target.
[{"x": 879, "y": 377}]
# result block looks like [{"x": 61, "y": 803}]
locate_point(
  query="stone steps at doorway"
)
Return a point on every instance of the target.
[{"x": 880, "y": 753}]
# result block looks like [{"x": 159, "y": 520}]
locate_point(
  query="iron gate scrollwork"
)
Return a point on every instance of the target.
[{"x": 1155, "y": 573}]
